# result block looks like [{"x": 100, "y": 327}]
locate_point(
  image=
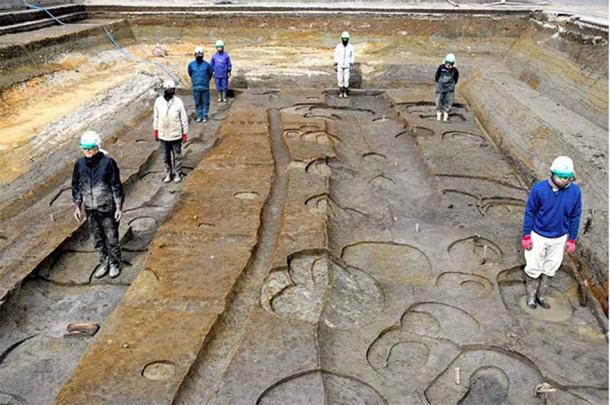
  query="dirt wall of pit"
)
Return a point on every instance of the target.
[
  {"x": 391, "y": 52},
  {"x": 18, "y": 4},
  {"x": 24, "y": 59},
  {"x": 549, "y": 97}
]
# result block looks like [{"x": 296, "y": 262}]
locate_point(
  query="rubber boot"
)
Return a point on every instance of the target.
[
  {"x": 543, "y": 291},
  {"x": 438, "y": 115},
  {"x": 102, "y": 269},
  {"x": 219, "y": 99},
  {"x": 531, "y": 287},
  {"x": 115, "y": 270},
  {"x": 445, "y": 116},
  {"x": 224, "y": 96},
  {"x": 345, "y": 92},
  {"x": 340, "y": 92}
]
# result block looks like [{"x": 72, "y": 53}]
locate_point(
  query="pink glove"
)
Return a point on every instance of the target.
[
  {"x": 184, "y": 138},
  {"x": 156, "y": 135},
  {"x": 526, "y": 242},
  {"x": 571, "y": 246}
]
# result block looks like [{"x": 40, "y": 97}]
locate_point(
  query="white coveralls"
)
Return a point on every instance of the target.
[
  {"x": 344, "y": 58},
  {"x": 546, "y": 255}
]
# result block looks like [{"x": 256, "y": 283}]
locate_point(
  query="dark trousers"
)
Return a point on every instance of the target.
[
  {"x": 202, "y": 103},
  {"x": 105, "y": 231},
  {"x": 172, "y": 149},
  {"x": 444, "y": 101}
]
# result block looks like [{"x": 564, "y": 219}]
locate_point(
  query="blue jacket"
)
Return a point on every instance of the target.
[
  {"x": 200, "y": 74},
  {"x": 552, "y": 213},
  {"x": 221, "y": 64}
]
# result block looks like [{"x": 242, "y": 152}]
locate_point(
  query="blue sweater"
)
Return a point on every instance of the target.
[{"x": 553, "y": 213}]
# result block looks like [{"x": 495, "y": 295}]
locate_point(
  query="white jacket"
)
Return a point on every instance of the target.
[
  {"x": 344, "y": 55},
  {"x": 170, "y": 119}
]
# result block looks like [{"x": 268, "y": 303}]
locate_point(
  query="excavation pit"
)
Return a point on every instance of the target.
[{"x": 321, "y": 249}]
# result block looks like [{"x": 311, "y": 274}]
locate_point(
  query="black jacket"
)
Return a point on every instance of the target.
[
  {"x": 96, "y": 183},
  {"x": 446, "y": 78}
]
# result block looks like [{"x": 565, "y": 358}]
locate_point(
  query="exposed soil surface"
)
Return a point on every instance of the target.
[{"x": 321, "y": 249}]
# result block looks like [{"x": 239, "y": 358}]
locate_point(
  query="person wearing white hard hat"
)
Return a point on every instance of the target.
[
  {"x": 170, "y": 128},
  {"x": 446, "y": 77},
  {"x": 221, "y": 65},
  {"x": 343, "y": 63},
  {"x": 550, "y": 228},
  {"x": 96, "y": 188},
  {"x": 200, "y": 73}
]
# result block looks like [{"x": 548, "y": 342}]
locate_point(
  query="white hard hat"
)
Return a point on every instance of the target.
[
  {"x": 563, "y": 167},
  {"x": 450, "y": 58},
  {"x": 199, "y": 50},
  {"x": 345, "y": 35},
  {"x": 90, "y": 140},
  {"x": 169, "y": 84},
  {"x": 220, "y": 44}
]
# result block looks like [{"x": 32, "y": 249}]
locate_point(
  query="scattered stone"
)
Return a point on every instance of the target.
[
  {"x": 159, "y": 371},
  {"x": 542, "y": 389},
  {"x": 158, "y": 51},
  {"x": 81, "y": 329}
]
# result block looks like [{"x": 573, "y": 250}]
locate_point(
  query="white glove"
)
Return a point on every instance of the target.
[{"x": 77, "y": 213}]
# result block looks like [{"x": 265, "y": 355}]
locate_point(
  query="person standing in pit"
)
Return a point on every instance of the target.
[
  {"x": 343, "y": 63},
  {"x": 170, "y": 128},
  {"x": 221, "y": 65},
  {"x": 446, "y": 78},
  {"x": 550, "y": 228},
  {"x": 200, "y": 73},
  {"x": 96, "y": 187}
]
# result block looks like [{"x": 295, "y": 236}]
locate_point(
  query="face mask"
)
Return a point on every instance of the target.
[
  {"x": 169, "y": 94},
  {"x": 199, "y": 58},
  {"x": 89, "y": 153},
  {"x": 560, "y": 182},
  {"x": 345, "y": 41}
]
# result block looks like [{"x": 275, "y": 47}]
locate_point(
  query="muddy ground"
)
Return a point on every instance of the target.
[{"x": 365, "y": 251}]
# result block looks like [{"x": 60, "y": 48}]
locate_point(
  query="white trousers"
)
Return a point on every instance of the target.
[
  {"x": 546, "y": 255},
  {"x": 343, "y": 77}
]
